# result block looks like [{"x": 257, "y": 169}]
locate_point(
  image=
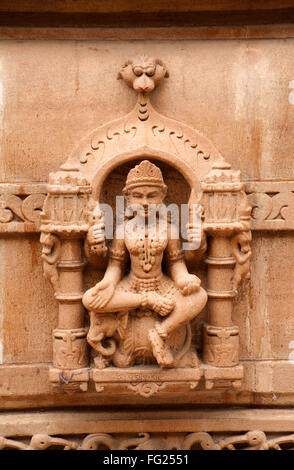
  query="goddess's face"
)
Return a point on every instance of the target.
[{"x": 147, "y": 197}]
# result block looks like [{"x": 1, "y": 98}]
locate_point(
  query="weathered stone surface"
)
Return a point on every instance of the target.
[{"x": 243, "y": 106}]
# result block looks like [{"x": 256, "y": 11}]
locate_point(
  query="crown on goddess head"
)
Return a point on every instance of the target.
[{"x": 146, "y": 173}]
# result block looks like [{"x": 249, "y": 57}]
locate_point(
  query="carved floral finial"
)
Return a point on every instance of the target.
[{"x": 143, "y": 73}]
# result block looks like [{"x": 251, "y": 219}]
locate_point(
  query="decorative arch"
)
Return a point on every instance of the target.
[
  {"x": 143, "y": 153},
  {"x": 145, "y": 132}
]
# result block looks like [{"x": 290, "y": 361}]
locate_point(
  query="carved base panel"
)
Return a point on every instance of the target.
[
  {"x": 156, "y": 429},
  {"x": 145, "y": 380}
]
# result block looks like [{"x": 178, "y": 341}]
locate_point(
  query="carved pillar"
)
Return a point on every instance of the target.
[
  {"x": 64, "y": 224},
  {"x": 226, "y": 217}
]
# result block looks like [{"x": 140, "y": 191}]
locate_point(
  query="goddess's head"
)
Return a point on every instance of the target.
[{"x": 145, "y": 187}]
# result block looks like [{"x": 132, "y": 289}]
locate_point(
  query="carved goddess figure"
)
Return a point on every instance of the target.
[{"x": 176, "y": 297}]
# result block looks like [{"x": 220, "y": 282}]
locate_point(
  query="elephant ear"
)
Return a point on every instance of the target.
[{"x": 122, "y": 324}]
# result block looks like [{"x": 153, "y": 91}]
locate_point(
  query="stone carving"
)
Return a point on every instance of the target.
[
  {"x": 221, "y": 345},
  {"x": 70, "y": 351},
  {"x": 20, "y": 206},
  {"x": 146, "y": 389},
  {"x": 227, "y": 221},
  {"x": 95, "y": 240},
  {"x": 143, "y": 128},
  {"x": 143, "y": 74},
  {"x": 38, "y": 442},
  {"x": 12, "y": 207},
  {"x": 141, "y": 311},
  {"x": 241, "y": 246},
  {"x": 105, "y": 326},
  {"x": 146, "y": 380},
  {"x": 50, "y": 255},
  {"x": 157, "y": 305},
  {"x": 252, "y": 440},
  {"x": 222, "y": 377},
  {"x": 64, "y": 224},
  {"x": 272, "y": 205},
  {"x": 65, "y": 209}
]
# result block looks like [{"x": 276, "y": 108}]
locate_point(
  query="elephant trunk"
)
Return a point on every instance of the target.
[{"x": 96, "y": 343}]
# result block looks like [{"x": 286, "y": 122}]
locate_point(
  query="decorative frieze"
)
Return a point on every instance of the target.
[
  {"x": 20, "y": 207},
  {"x": 252, "y": 440},
  {"x": 272, "y": 205}
]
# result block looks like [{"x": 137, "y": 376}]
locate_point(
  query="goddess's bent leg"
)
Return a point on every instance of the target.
[{"x": 186, "y": 308}]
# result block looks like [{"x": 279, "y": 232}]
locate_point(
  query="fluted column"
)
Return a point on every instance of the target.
[
  {"x": 70, "y": 346},
  {"x": 221, "y": 337}
]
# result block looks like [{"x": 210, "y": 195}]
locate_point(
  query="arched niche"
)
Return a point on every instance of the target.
[
  {"x": 109, "y": 181},
  {"x": 162, "y": 159},
  {"x": 178, "y": 188}
]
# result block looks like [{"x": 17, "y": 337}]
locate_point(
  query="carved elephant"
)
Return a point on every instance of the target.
[{"x": 104, "y": 326}]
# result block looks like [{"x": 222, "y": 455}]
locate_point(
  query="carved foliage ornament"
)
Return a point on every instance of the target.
[{"x": 140, "y": 312}]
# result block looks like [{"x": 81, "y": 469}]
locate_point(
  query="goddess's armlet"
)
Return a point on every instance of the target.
[
  {"x": 118, "y": 251},
  {"x": 173, "y": 252}
]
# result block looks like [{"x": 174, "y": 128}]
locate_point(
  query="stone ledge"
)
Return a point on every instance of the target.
[
  {"x": 142, "y": 420},
  {"x": 265, "y": 383}
]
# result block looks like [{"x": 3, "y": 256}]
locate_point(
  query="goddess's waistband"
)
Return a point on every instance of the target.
[{"x": 141, "y": 284}]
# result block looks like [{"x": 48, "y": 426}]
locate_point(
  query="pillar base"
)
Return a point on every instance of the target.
[
  {"x": 69, "y": 380},
  {"x": 223, "y": 377},
  {"x": 221, "y": 345}
]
